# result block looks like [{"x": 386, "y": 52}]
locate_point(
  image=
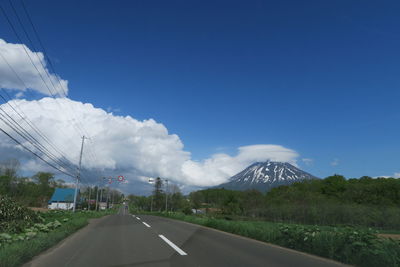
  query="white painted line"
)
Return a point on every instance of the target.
[
  {"x": 180, "y": 251},
  {"x": 146, "y": 224},
  {"x": 138, "y": 218}
]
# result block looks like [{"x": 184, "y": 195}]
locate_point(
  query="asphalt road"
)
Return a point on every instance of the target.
[{"x": 129, "y": 240}]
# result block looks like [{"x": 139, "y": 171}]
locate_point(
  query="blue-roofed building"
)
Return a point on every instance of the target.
[{"x": 63, "y": 198}]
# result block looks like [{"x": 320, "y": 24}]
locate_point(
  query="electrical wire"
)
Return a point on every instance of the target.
[
  {"x": 91, "y": 151},
  {"x": 25, "y": 118},
  {"x": 48, "y": 163}
]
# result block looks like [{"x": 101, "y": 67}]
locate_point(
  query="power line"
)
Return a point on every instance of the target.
[
  {"x": 40, "y": 43},
  {"x": 25, "y": 118},
  {"x": 26, "y": 52},
  {"x": 91, "y": 151},
  {"x": 30, "y": 58},
  {"x": 32, "y": 44},
  {"x": 25, "y": 135},
  {"x": 78, "y": 125},
  {"x": 51, "y": 165},
  {"x": 39, "y": 39}
]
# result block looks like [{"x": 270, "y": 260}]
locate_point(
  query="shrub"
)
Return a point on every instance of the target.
[{"x": 13, "y": 217}]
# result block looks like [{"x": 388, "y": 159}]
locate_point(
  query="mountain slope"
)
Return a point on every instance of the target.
[{"x": 265, "y": 175}]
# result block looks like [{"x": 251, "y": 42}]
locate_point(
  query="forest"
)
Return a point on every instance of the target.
[{"x": 335, "y": 200}]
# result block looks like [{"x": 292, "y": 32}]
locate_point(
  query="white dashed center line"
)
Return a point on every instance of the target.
[
  {"x": 146, "y": 224},
  {"x": 180, "y": 251}
]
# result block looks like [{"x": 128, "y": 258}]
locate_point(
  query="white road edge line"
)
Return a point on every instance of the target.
[
  {"x": 146, "y": 224},
  {"x": 180, "y": 251}
]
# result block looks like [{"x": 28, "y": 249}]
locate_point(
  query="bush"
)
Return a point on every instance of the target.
[
  {"x": 15, "y": 249},
  {"x": 13, "y": 217}
]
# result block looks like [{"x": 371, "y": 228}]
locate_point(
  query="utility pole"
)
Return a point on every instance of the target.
[
  {"x": 166, "y": 195},
  {"x": 112, "y": 198},
  {"x": 151, "y": 181},
  {"x": 78, "y": 177},
  {"x": 108, "y": 196},
  {"x": 97, "y": 197},
  {"x": 88, "y": 205},
  {"x": 101, "y": 195}
]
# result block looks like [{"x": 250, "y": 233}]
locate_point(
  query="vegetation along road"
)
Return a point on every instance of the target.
[{"x": 125, "y": 239}]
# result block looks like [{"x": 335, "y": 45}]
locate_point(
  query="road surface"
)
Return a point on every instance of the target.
[{"x": 127, "y": 240}]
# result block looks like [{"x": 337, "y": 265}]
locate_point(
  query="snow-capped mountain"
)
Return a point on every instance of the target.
[{"x": 265, "y": 175}]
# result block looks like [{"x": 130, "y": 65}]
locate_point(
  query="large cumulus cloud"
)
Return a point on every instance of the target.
[
  {"x": 116, "y": 144},
  {"x": 137, "y": 148}
]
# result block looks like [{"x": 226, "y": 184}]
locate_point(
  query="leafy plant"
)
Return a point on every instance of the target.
[{"x": 14, "y": 217}]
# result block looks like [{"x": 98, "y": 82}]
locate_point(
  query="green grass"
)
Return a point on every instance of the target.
[
  {"x": 19, "y": 252},
  {"x": 357, "y": 246}
]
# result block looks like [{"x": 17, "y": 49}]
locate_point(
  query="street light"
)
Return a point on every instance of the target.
[{"x": 166, "y": 196}]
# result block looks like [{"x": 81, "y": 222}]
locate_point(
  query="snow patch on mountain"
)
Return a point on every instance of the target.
[{"x": 265, "y": 175}]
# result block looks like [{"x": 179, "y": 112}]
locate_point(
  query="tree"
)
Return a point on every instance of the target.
[
  {"x": 8, "y": 174},
  {"x": 10, "y": 168},
  {"x": 177, "y": 199},
  {"x": 334, "y": 185},
  {"x": 196, "y": 199},
  {"x": 158, "y": 200},
  {"x": 44, "y": 181}
]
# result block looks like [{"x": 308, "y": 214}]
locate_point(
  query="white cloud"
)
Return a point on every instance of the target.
[
  {"x": 134, "y": 148},
  {"x": 335, "y": 162},
  {"x": 113, "y": 110},
  {"x": 395, "y": 175},
  {"x": 307, "y": 161},
  {"x": 16, "y": 56},
  {"x": 220, "y": 167}
]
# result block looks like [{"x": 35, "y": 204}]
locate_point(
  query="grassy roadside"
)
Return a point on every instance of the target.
[
  {"x": 17, "y": 253},
  {"x": 357, "y": 246}
]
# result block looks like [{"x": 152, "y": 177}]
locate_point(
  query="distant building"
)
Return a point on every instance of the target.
[
  {"x": 103, "y": 205},
  {"x": 63, "y": 199},
  {"x": 198, "y": 211}
]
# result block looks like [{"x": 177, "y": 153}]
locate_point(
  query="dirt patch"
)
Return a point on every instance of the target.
[{"x": 393, "y": 236}]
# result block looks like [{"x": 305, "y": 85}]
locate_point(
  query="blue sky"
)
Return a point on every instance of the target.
[{"x": 320, "y": 78}]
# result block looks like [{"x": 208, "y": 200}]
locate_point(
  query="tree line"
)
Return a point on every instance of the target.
[
  {"x": 334, "y": 200},
  {"x": 331, "y": 201},
  {"x": 36, "y": 191},
  {"x": 164, "y": 197},
  {"x": 32, "y": 191}
]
